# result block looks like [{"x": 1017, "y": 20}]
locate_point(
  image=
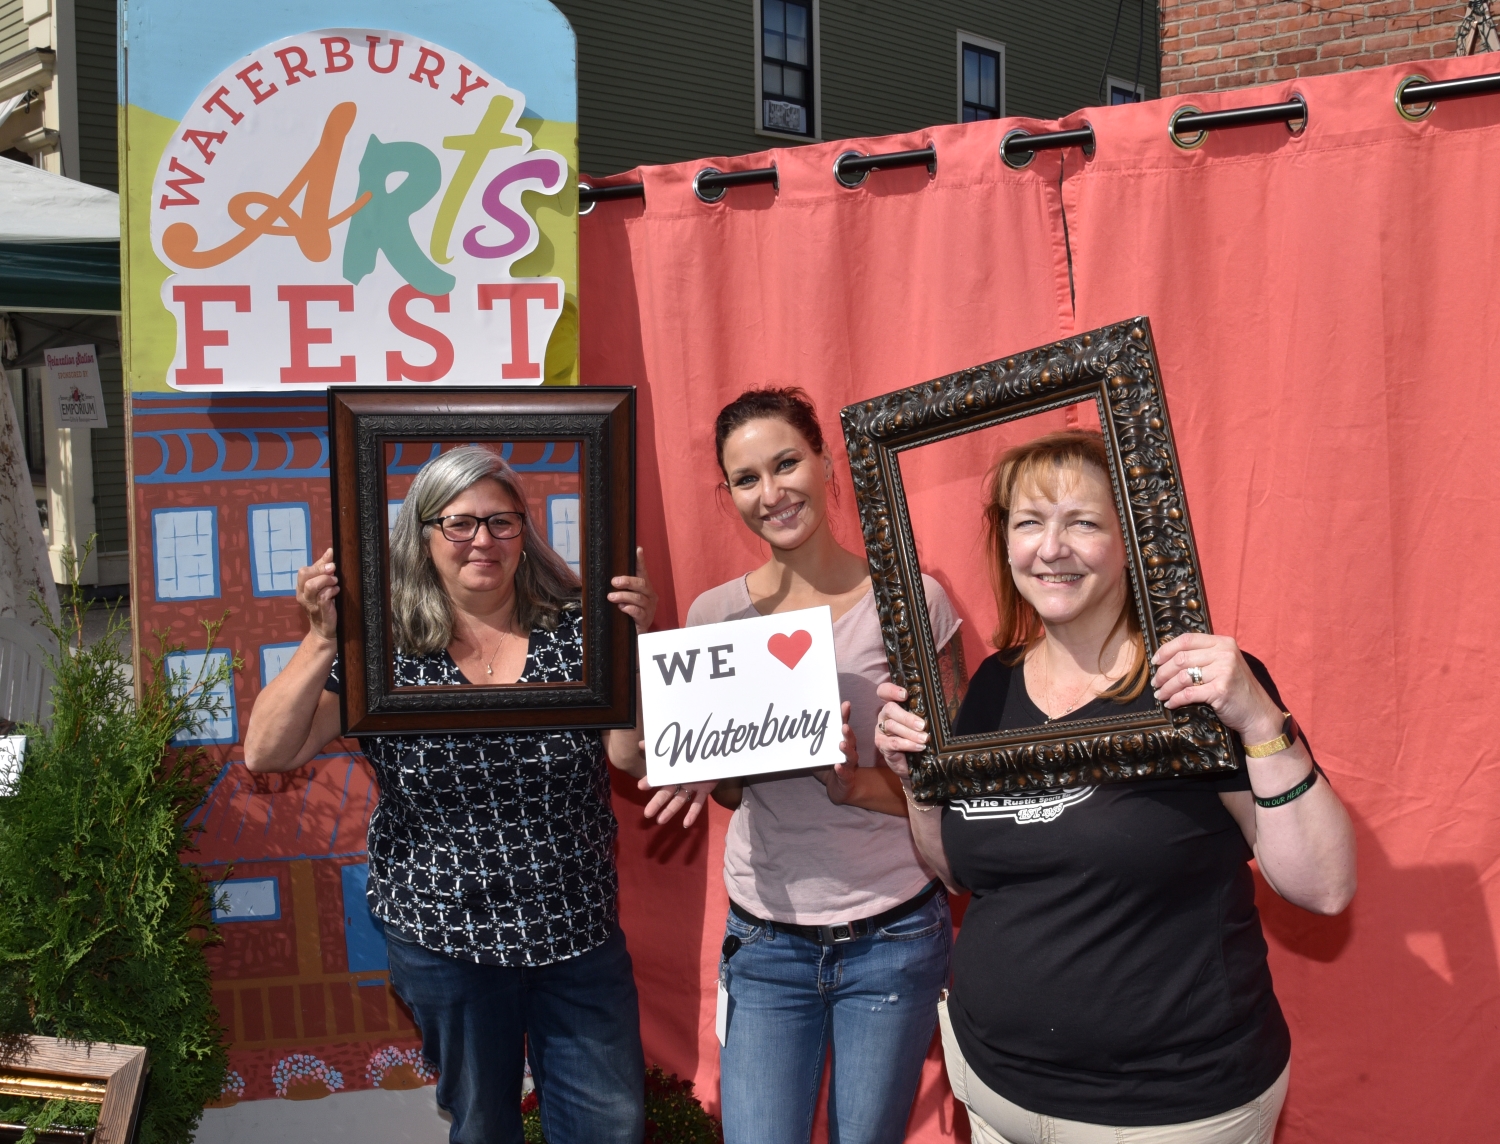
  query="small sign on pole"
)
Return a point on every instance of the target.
[
  {"x": 746, "y": 697},
  {"x": 74, "y": 373}
]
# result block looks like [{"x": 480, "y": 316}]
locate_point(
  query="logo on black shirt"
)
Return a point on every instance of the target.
[{"x": 1045, "y": 807}]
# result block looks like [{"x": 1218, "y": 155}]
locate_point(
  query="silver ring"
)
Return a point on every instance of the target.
[
  {"x": 1196, "y": 675},
  {"x": 882, "y": 727}
]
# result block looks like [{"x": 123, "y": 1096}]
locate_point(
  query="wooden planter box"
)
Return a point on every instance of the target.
[{"x": 112, "y": 1076}]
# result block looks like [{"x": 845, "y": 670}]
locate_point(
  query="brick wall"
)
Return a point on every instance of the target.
[{"x": 1222, "y": 44}]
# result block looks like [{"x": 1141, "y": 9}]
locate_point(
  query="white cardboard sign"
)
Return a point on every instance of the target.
[
  {"x": 75, "y": 386},
  {"x": 746, "y": 697}
]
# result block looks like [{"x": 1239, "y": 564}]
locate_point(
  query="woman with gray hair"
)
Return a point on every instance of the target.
[{"x": 491, "y": 854}]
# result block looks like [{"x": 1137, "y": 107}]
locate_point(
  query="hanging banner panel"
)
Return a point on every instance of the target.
[{"x": 371, "y": 193}]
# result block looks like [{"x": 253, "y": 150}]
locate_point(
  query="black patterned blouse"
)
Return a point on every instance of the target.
[{"x": 494, "y": 847}]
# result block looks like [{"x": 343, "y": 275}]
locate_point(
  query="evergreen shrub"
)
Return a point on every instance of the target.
[{"x": 102, "y": 927}]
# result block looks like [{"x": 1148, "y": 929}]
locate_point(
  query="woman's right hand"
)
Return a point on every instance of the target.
[
  {"x": 317, "y": 585},
  {"x": 897, "y": 731}
]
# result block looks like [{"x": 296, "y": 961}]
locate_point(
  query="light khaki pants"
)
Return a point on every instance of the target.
[{"x": 995, "y": 1120}]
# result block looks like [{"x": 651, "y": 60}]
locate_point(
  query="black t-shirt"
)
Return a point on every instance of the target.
[{"x": 1111, "y": 967}]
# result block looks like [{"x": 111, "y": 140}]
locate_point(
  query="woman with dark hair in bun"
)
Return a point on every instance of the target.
[{"x": 838, "y": 934}]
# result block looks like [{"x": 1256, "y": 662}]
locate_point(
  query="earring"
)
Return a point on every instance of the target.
[{"x": 523, "y": 556}]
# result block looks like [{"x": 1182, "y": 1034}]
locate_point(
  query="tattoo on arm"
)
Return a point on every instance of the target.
[{"x": 952, "y": 676}]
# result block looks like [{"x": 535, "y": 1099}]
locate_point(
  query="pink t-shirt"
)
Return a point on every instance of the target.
[{"x": 793, "y": 856}]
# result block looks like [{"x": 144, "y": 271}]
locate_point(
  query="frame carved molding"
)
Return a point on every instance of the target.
[{"x": 1116, "y": 367}]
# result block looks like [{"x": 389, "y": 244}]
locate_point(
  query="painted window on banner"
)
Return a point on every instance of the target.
[
  {"x": 344, "y": 207},
  {"x": 189, "y": 672},
  {"x": 185, "y": 552},
  {"x": 562, "y": 527},
  {"x": 247, "y": 900},
  {"x": 278, "y": 547}
]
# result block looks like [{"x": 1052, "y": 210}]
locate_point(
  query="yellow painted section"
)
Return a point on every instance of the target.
[{"x": 150, "y": 330}]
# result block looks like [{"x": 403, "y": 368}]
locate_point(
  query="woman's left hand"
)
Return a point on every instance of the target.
[
  {"x": 839, "y": 778},
  {"x": 634, "y": 595},
  {"x": 1227, "y": 684}
]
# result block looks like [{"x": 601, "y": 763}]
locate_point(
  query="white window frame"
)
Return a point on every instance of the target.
[
  {"x": 817, "y": 81},
  {"x": 1111, "y": 82},
  {"x": 958, "y": 56},
  {"x": 173, "y": 510},
  {"x": 577, "y": 500}
]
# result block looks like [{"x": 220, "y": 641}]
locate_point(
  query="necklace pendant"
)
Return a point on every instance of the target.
[{"x": 488, "y": 670}]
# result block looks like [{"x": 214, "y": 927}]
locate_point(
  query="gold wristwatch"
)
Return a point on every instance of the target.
[{"x": 1289, "y": 735}]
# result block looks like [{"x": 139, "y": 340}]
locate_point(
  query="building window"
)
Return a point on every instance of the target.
[
  {"x": 273, "y": 657},
  {"x": 247, "y": 900},
  {"x": 279, "y": 545},
  {"x": 786, "y": 67},
  {"x": 980, "y": 81},
  {"x": 185, "y": 549},
  {"x": 187, "y": 670},
  {"x": 1123, "y": 91},
  {"x": 392, "y": 511},
  {"x": 562, "y": 527}
]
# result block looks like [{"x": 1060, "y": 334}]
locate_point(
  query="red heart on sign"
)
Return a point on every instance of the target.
[{"x": 790, "y": 649}]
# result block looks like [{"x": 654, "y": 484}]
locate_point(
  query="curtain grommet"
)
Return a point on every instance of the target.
[
  {"x": 852, "y": 180},
  {"x": 1016, "y": 164},
  {"x": 1198, "y": 138},
  {"x": 582, "y": 208},
  {"x": 712, "y": 195},
  {"x": 1410, "y": 113},
  {"x": 1301, "y": 124}
]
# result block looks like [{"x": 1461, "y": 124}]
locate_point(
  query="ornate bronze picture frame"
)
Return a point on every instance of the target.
[
  {"x": 574, "y": 450},
  {"x": 1115, "y": 367}
]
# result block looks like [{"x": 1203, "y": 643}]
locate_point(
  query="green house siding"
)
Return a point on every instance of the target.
[
  {"x": 671, "y": 80},
  {"x": 111, "y": 509},
  {"x": 94, "y": 22}
]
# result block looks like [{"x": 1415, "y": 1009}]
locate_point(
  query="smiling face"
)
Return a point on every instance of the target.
[
  {"x": 483, "y": 564},
  {"x": 1067, "y": 556},
  {"x": 779, "y": 484}
]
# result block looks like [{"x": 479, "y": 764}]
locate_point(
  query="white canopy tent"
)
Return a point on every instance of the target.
[{"x": 38, "y": 206}]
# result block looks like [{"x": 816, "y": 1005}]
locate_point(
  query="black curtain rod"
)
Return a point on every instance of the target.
[
  {"x": 1018, "y": 147},
  {"x": 1418, "y": 90}
]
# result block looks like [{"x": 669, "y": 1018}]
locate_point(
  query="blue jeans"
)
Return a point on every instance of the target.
[
  {"x": 577, "y": 1021},
  {"x": 873, "y": 1000}
]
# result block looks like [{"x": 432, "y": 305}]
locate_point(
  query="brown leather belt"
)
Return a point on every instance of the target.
[{"x": 841, "y": 932}]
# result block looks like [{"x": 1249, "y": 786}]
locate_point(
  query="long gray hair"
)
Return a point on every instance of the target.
[{"x": 421, "y": 613}]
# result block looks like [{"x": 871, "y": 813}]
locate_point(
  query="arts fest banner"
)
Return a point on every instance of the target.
[
  {"x": 341, "y": 194},
  {"x": 1321, "y": 307}
]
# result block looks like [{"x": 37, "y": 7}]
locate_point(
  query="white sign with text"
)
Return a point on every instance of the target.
[
  {"x": 76, "y": 387},
  {"x": 746, "y": 697}
]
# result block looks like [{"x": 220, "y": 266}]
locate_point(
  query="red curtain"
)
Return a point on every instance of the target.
[{"x": 1324, "y": 310}]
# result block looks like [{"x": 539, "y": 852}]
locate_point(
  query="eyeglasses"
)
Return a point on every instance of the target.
[{"x": 502, "y": 526}]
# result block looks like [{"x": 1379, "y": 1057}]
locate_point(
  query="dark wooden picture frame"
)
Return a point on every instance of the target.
[
  {"x": 361, "y": 422},
  {"x": 1116, "y": 367},
  {"x": 45, "y": 1068}
]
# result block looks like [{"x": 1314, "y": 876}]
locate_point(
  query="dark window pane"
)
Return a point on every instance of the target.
[
  {"x": 794, "y": 84},
  {"x": 971, "y": 76},
  {"x": 770, "y": 79},
  {"x": 775, "y": 45},
  {"x": 773, "y": 15},
  {"x": 796, "y": 34},
  {"x": 969, "y": 115},
  {"x": 987, "y": 68}
]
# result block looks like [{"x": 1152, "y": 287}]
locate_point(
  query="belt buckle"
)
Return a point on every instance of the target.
[{"x": 841, "y": 933}]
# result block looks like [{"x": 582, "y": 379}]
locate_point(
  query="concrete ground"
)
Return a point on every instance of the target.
[{"x": 371, "y": 1116}]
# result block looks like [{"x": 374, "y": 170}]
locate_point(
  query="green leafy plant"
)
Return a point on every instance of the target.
[
  {"x": 40, "y": 1115},
  {"x": 102, "y": 927},
  {"x": 673, "y": 1114}
]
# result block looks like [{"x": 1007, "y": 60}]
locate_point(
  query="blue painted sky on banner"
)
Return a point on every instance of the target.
[{"x": 175, "y": 46}]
